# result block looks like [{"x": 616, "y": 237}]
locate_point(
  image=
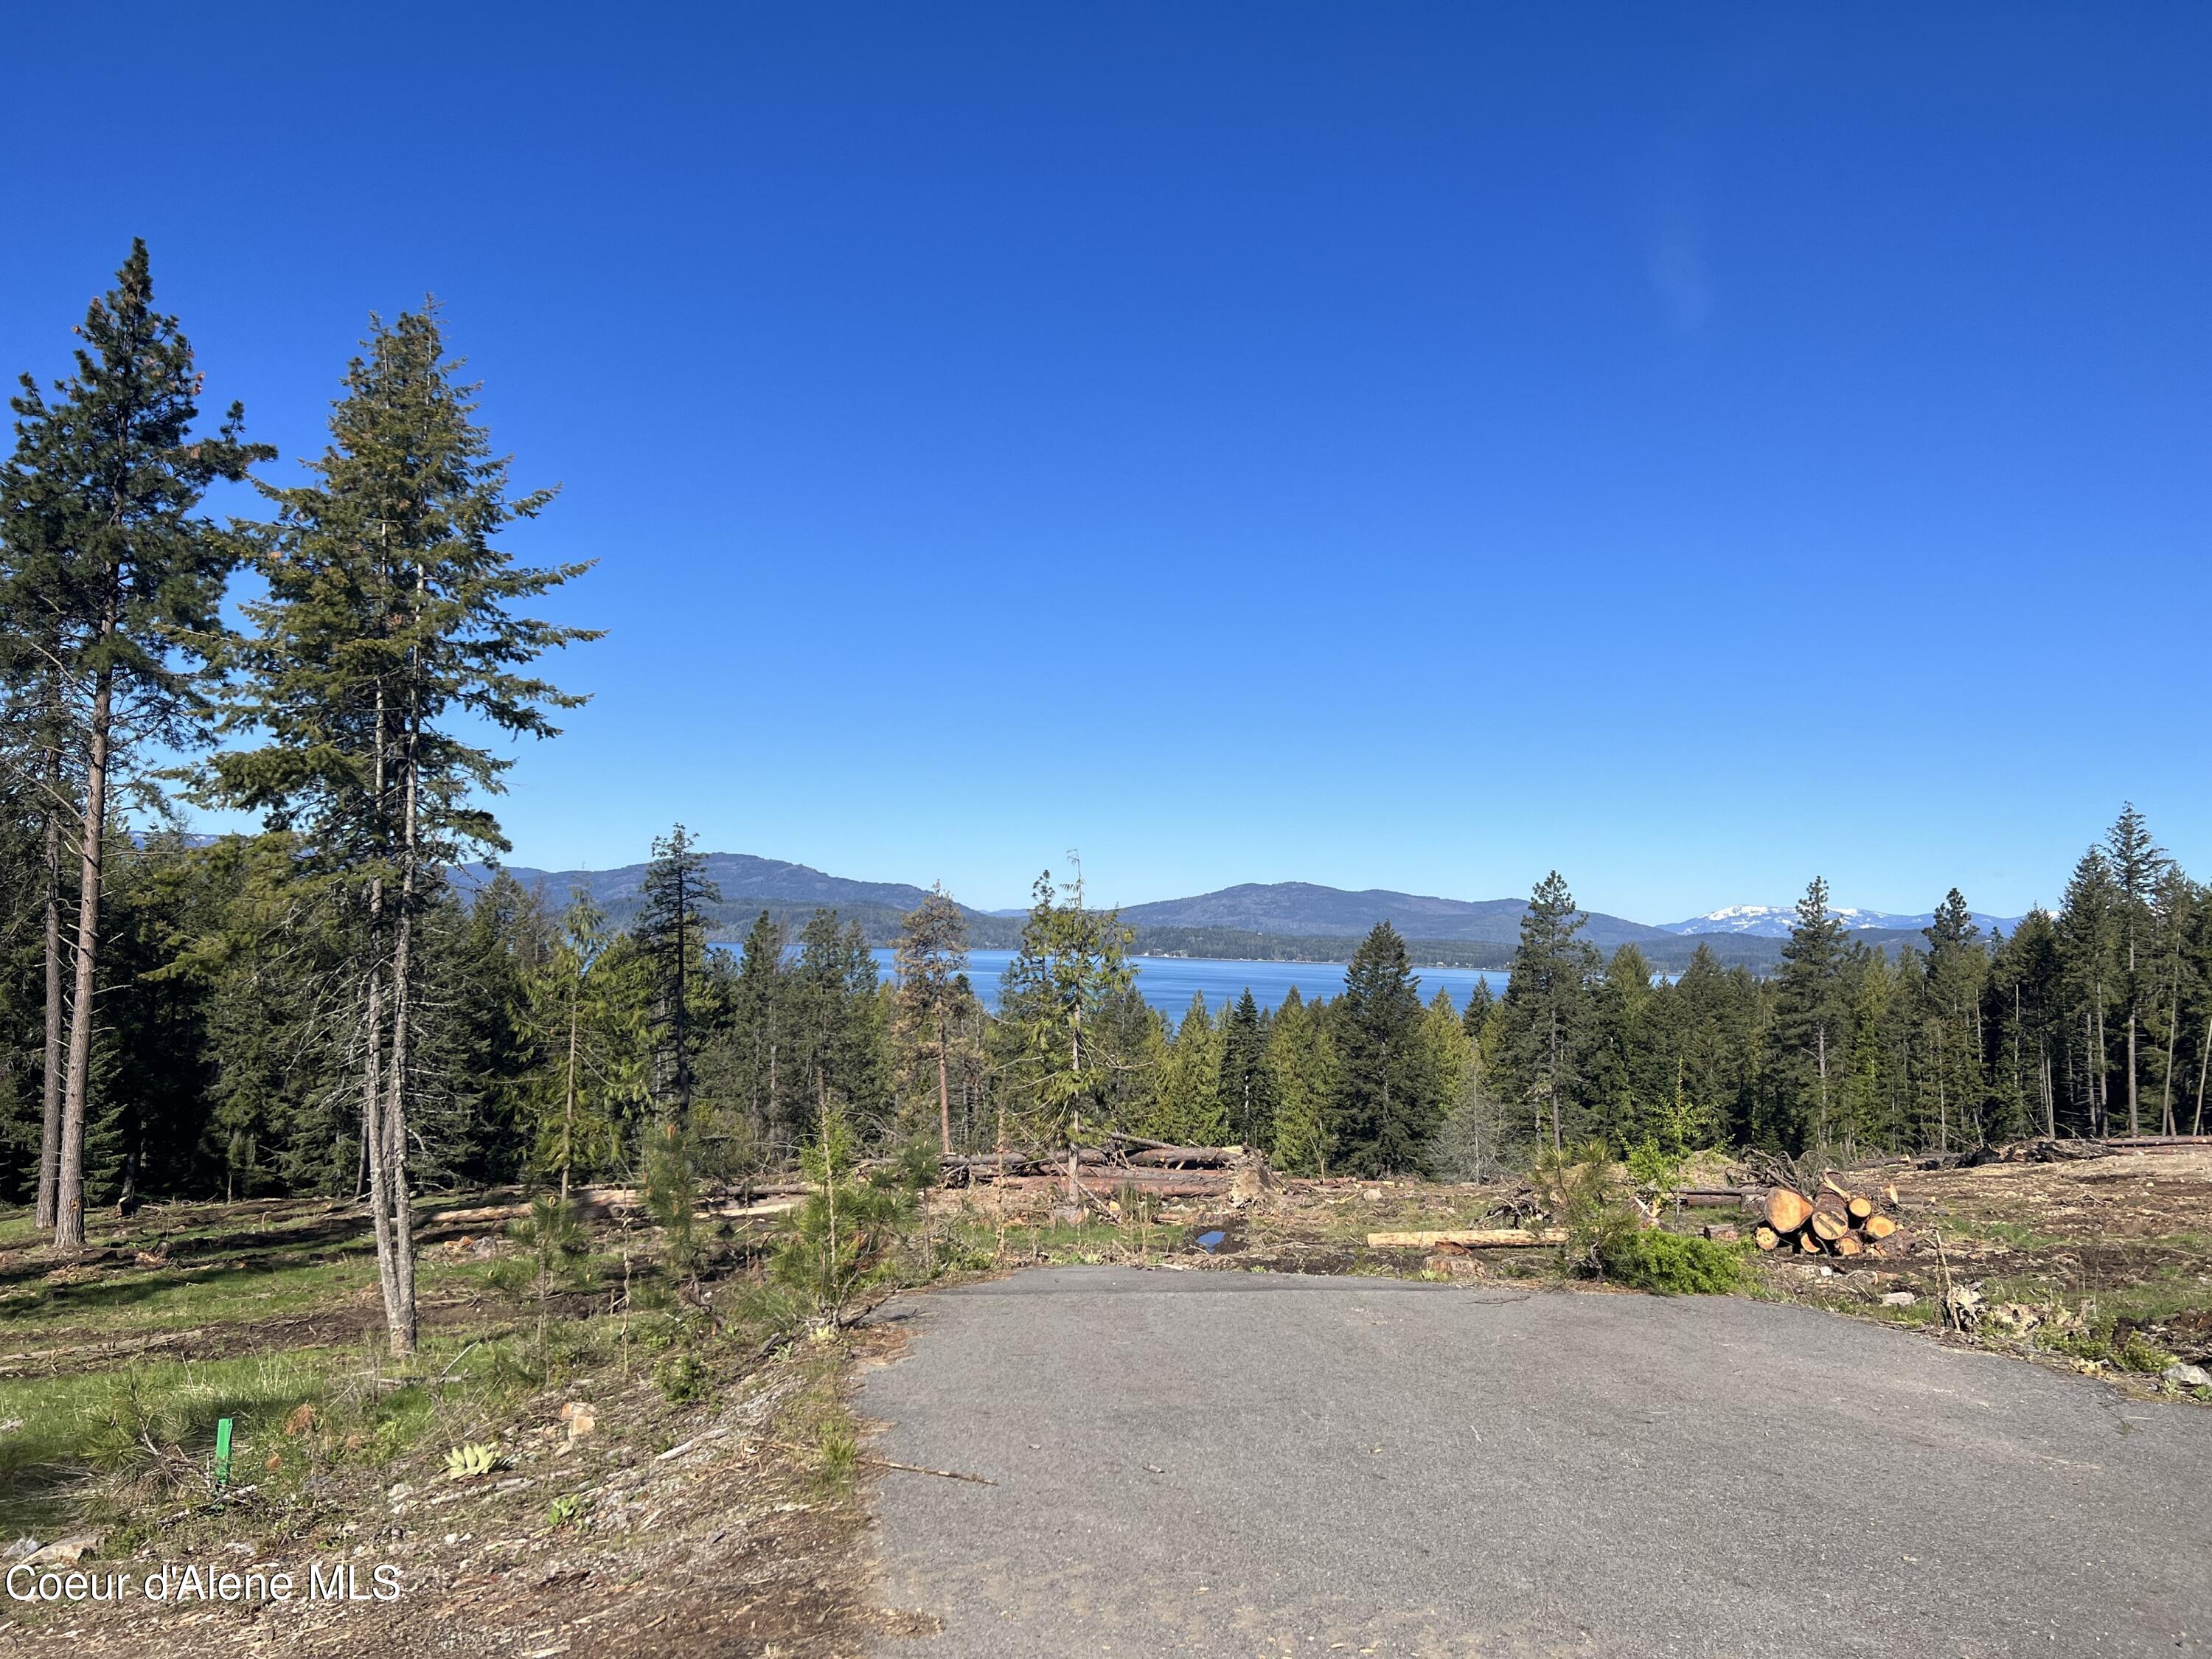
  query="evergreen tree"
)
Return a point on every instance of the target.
[
  {"x": 2089, "y": 929},
  {"x": 1302, "y": 1062},
  {"x": 1247, "y": 1089},
  {"x": 932, "y": 965},
  {"x": 1072, "y": 962},
  {"x": 1189, "y": 1110},
  {"x": 1386, "y": 1103},
  {"x": 122, "y": 584},
  {"x": 1958, "y": 967},
  {"x": 1547, "y": 1007},
  {"x": 672, "y": 938},
  {"x": 2138, "y": 866},
  {"x": 588, "y": 1077},
  {"x": 1810, "y": 1032},
  {"x": 387, "y": 614}
]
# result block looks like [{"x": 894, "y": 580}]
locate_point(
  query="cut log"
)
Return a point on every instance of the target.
[
  {"x": 1722, "y": 1234},
  {"x": 1879, "y": 1227},
  {"x": 1188, "y": 1157},
  {"x": 1786, "y": 1209},
  {"x": 1851, "y": 1244},
  {"x": 1860, "y": 1206},
  {"x": 1828, "y": 1185},
  {"x": 1767, "y": 1238},
  {"x": 1808, "y": 1244},
  {"x": 1828, "y": 1228},
  {"x": 1477, "y": 1238},
  {"x": 1829, "y": 1204}
]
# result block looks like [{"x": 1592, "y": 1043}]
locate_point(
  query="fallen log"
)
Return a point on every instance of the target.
[
  {"x": 1861, "y": 1207},
  {"x": 1713, "y": 1197},
  {"x": 1828, "y": 1228},
  {"x": 1474, "y": 1237},
  {"x": 1187, "y": 1158},
  {"x": 1850, "y": 1244},
  {"x": 1879, "y": 1227},
  {"x": 1767, "y": 1238},
  {"x": 1786, "y": 1209}
]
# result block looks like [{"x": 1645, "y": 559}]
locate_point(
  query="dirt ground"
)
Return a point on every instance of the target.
[{"x": 706, "y": 1523}]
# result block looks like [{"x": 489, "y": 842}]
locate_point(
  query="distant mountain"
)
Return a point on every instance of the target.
[
  {"x": 789, "y": 892},
  {"x": 1775, "y": 921},
  {"x": 1301, "y": 909}
]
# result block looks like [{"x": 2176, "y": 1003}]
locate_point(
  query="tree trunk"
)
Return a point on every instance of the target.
[
  {"x": 50, "y": 1082},
  {"x": 569, "y": 1105},
  {"x": 2173, "y": 1034},
  {"x": 68, "y": 1191},
  {"x": 944, "y": 1087},
  {"x": 2203, "y": 1057},
  {"x": 403, "y": 1325},
  {"x": 2134, "y": 1126}
]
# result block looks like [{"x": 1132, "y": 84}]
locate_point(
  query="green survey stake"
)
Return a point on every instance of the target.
[{"x": 222, "y": 1454}]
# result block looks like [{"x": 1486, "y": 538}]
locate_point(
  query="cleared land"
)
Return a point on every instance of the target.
[
  {"x": 1221, "y": 1463},
  {"x": 719, "y": 1499}
]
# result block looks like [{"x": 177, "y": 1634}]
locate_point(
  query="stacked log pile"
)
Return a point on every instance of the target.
[{"x": 1834, "y": 1221}]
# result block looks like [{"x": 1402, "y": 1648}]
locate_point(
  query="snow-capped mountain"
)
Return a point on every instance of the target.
[{"x": 1775, "y": 921}]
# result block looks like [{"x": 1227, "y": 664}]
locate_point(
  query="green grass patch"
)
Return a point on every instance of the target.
[{"x": 1672, "y": 1264}]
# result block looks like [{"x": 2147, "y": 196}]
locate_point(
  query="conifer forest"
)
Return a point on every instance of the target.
[{"x": 322, "y": 1009}]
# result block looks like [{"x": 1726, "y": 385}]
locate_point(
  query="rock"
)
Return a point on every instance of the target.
[
  {"x": 2186, "y": 1377},
  {"x": 19, "y": 1549},
  {"x": 66, "y": 1550},
  {"x": 1373, "y": 1194},
  {"x": 579, "y": 1418},
  {"x": 1900, "y": 1300}
]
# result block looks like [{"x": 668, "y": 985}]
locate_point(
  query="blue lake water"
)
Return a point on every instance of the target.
[{"x": 1169, "y": 983}]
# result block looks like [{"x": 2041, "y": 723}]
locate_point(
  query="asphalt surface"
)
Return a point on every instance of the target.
[{"x": 1229, "y": 1463}]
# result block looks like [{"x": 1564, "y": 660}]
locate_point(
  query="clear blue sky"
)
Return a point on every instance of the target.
[{"x": 1407, "y": 445}]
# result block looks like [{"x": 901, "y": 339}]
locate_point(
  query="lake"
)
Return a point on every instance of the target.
[{"x": 1168, "y": 982}]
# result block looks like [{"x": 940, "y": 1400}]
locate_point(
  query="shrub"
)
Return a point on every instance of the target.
[
  {"x": 1581, "y": 1193},
  {"x": 683, "y": 1377},
  {"x": 1670, "y": 1264}
]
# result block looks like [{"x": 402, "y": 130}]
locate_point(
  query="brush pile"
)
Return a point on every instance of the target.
[{"x": 1834, "y": 1221}]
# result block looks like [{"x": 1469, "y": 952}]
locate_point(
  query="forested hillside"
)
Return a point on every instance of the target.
[{"x": 342, "y": 1005}]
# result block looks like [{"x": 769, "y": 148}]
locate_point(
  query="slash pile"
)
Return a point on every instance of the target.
[{"x": 1834, "y": 1221}]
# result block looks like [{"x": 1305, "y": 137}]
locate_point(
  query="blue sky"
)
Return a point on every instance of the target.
[{"x": 1396, "y": 446}]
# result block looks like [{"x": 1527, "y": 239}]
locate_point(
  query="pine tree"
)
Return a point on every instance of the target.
[
  {"x": 2088, "y": 951},
  {"x": 760, "y": 1050},
  {"x": 932, "y": 965},
  {"x": 388, "y": 613},
  {"x": 1189, "y": 1108},
  {"x": 1302, "y": 1063},
  {"x": 584, "y": 1081},
  {"x": 1547, "y": 1005},
  {"x": 2138, "y": 866},
  {"x": 1810, "y": 1029},
  {"x": 672, "y": 938},
  {"x": 1958, "y": 967},
  {"x": 97, "y": 511},
  {"x": 1247, "y": 1089},
  {"x": 1072, "y": 962},
  {"x": 1386, "y": 1107}
]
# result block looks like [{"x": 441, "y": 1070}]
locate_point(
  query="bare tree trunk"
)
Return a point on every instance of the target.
[
  {"x": 396, "y": 1086},
  {"x": 2173, "y": 1034},
  {"x": 69, "y": 1192},
  {"x": 569, "y": 1108},
  {"x": 50, "y": 1083},
  {"x": 1820, "y": 1043},
  {"x": 943, "y": 1086},
  {"x": 2203, "y": 1057},
  {"x": 2134, "y": 1126}
]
